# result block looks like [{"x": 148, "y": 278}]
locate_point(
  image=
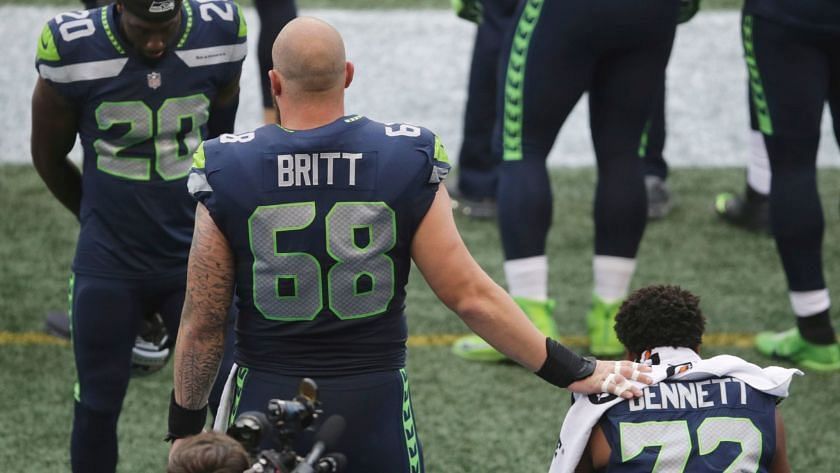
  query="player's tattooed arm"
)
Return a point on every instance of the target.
[
  {"x": 201, "y": 337},
  {"x": 54, "y": 127}
]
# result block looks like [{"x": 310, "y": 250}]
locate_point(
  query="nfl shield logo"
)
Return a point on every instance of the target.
[{"x": 153, "y": 79}]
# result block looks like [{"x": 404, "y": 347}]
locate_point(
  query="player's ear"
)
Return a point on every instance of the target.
[
  {"x": 348, "y": 74},
  {"x": 274, "y": 78}
]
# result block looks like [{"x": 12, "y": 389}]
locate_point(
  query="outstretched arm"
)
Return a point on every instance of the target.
[
  {"x": 54, "y": 127},
  {"x": 486, "y": 308}
]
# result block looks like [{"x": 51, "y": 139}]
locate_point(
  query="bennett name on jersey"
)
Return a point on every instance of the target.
[{"x": 710, "y": 393}]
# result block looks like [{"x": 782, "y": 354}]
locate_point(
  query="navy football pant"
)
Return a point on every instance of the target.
[
  {"x": 617, "y": 51},
  {"x": 477, "y": 165},
  {"x": 793, "y": 73},
  {"x": 105, "y": 318},
  {"x": 653, "y": 139},
  {"x": 380, "y": 436},
  {"x": 274, "y": 14}
]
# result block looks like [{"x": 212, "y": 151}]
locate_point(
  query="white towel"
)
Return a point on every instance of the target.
[
  {"x": 583, "y": 415},
  {"x": 220, "y": 423}
]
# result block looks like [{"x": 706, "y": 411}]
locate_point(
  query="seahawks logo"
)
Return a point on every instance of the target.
[{"x": 162, "y": 6}]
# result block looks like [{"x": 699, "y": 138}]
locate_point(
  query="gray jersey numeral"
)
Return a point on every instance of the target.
[
  {"x": 173, "y": 145},
  {"x": 359, "y": 284},
  {"x": 674, "y": 441}
]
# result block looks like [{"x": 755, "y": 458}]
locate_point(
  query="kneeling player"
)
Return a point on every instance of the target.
[{"x": 708, "y": 415}]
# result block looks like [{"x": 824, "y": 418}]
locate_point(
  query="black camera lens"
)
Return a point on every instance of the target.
[{"x": 248, "y": 429}]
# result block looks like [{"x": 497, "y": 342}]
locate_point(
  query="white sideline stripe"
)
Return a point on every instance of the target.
[
  {"x": 83, "y": 71},
  {"x": 213, "y": 55}
]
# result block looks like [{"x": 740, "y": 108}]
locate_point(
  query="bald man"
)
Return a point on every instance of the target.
[{"x": 315, "y": 222}]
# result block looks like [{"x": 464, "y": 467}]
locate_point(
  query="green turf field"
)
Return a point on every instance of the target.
[
  {"x": 706, "y": 4},
  {"x": 471, "y": 418}
]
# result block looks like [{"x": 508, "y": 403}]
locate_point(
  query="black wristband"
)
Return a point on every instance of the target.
[
  {"x": 184, "y": 422},
  {"x": 562, "y": 366}
]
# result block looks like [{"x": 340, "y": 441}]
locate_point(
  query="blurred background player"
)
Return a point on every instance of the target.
[
  {"x": 135, "y": 81},
  {"x": 474, "y": 194},
  {"x": 274, "y": 14},
  {"x": 652, "y": 144},
  {"x": 90, "y": 4},
  {"x": 793, "y": 58},
  {"x": 317, "y": 235},
  {"x": 651, "y": 150},
  {"x": 560, "y": 50},
  {"x": 712, "y": 415},
  {"x": 750, "y": 210}
]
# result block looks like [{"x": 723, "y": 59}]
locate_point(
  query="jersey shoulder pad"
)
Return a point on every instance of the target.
[
  {"x": 428, "y": 146},
  {"x": 436, "y": 156},
  {"x": 213, "y": 23},
  {"x": 78, "y": 46},
  {"x": 224, "y": 148}
]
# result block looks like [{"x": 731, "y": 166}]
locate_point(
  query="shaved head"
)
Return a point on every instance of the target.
[{"x": 309, "y": 54}]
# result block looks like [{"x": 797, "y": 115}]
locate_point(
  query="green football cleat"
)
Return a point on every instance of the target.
[
  {"x": 790, "y": 346},
  {"x": 474, "y": 348},
  {"x": 600, "y": 322},
  {"x": 540, "y": 313}
]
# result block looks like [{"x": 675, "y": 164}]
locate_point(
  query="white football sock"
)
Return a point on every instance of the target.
[
  {"x": 528, "y": 277},
  {"x": 807, "y": 303},
  {"x": 758, "y": 166},
  {"x": 612, "y": 275}
]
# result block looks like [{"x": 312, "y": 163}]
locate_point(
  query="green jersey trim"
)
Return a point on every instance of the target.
[
  {"x": 187, "y": 29},
  {"x": 762, "y": 112},
  {"x": 243, "y": 25},
  {"x": 515, "y": 80},
  {"x": 109, "y": 32},
  {"x": 47, "y": 49}
]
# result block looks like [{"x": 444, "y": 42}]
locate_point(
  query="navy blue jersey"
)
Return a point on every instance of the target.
[
  {"x": 139, "y": 122},
  {"x": 320, "y": 223},
  {"x": 718, "y": 424},
  {"x": 819, "y": 15}
]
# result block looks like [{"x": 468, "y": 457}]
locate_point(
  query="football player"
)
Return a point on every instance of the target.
[
  {"x": 793, "y": 60},
  {"x": 704, "y": 415},
  {"x": 141, "y": 82},
  {"x": 274, "y": 14},
  {"x": 750, "y": 210},
  {"x": 474, "y": 195},
  {"x": 558, "y": 51},
  {"x": 315, "y": 221}
]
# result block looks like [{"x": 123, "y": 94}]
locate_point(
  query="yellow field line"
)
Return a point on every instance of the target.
[
  {"x": 30, "y": 338},
  {"x": 712, "y": 340}
]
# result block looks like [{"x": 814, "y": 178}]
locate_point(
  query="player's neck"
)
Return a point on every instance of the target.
[{"x": 310, "y": 115}]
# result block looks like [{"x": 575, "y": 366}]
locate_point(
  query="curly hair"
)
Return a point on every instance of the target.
[
  {"x": 658, "y": 316},
  {"x": 209, "y": 452}
]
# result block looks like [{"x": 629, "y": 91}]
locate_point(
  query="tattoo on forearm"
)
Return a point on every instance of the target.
[{"x": 210, "y": 280}]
